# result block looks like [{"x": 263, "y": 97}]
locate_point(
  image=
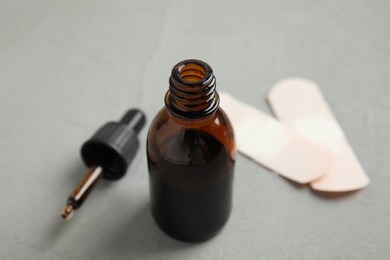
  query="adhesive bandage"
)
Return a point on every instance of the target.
[
  {"x": 299, "y": 104},
  {"x": 273, "y": 144}
]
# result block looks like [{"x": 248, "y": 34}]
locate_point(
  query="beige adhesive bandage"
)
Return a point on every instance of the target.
[
  {"x": 300, "y": 104},
  {"x": 273, "y": 144}
]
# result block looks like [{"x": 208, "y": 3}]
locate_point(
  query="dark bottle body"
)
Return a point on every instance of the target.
[{"x": 191, "y": 155}]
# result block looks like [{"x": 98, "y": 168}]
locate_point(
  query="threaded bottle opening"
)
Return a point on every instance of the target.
[
  {"x": 192, "y": 90},
  {"x": 192, "y": 72}
]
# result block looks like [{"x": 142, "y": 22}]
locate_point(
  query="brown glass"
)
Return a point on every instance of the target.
[{"x": 191, "y": 154}]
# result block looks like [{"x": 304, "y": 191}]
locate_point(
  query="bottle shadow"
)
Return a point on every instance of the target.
[
  {"x": 133, "y": 235},
  {"x": 140, "y": 236},
  {"x": 137, "y": 237}
]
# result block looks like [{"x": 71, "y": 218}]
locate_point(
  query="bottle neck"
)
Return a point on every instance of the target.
[{"x": 192, "y": 90}]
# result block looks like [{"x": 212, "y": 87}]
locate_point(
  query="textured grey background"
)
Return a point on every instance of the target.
[{"x": 66, "y": 67}]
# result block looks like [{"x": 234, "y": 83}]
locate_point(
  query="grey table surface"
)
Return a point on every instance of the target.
[{"x": 66, "y": 67}]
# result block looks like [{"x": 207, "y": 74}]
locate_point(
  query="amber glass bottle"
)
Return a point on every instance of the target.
[{"x": 191, "y": 154}]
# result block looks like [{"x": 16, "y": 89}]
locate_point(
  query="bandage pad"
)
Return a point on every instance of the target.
[
  {"x": 300, "y": 104},
  {"x": 273, "y": 144}
]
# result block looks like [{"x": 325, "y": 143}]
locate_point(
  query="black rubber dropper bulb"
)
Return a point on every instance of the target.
[{"x": 107, "y": 154}]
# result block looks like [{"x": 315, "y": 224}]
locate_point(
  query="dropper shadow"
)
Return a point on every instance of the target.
[
  {"x": 56, "y": 230},
  {"x": 73, "y": 175},
  {"x": 141, "y": 236}
]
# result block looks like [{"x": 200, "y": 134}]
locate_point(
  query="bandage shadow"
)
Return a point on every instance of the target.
[
  {"x": 334, "y": 195},
  {"x": 322, "y": 194},
  {"x": 295, "y": 184}
]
